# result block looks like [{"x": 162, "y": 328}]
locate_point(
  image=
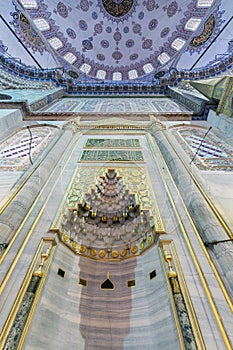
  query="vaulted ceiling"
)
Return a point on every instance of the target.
[{"x": 117, "y": 40}]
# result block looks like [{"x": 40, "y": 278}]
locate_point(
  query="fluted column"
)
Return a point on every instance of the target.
[
  {"x": 14, "y": 213},
  {"x": 203, "y": 216}
]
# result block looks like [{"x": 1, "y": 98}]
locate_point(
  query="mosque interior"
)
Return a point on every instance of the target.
[{"x": 116, "y": 172}]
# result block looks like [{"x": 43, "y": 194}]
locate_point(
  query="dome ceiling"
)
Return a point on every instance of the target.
[{"x": 115, "y": 40}]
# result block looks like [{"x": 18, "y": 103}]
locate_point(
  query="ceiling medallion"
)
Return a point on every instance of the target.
[{"x": 117, "y": 10}]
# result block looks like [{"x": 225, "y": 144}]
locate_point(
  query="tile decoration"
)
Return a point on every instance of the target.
[
  {"x": 212, "y": 153},
  {"x": 14, "y": 151},
  {"x": 111, "y": 156},
  {"x": 112, "y": 143},
  {"x": 116, "y": 105}
]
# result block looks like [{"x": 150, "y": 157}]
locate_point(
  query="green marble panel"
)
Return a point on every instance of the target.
[
  {"x": 111, "y": 156},
  {"x": 113, "y": 143}
]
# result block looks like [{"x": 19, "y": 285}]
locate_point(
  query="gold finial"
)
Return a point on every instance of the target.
[
  {"x": 168, "y": 259},
  {"x": 44, "y": 257}
]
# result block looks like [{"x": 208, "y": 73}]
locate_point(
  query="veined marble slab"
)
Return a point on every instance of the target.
[
  {"x": 116, "y": 105},
  {"x": 9, "y": 118},
  {"x": 7, "y": 180}
]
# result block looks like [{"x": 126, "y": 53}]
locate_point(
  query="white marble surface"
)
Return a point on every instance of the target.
[
  {"x": 7, "y": 180},
  {"x": 74, "y": 317},
  {"x": 116, "y": 105},
  {"x": 221, "y": 122},
  {"x": 9, "y": 118},
  {"x": 220, "y": 190},
  {"x": 30, "y": 95}
]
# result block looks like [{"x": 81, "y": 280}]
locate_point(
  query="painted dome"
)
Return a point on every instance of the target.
[{"x": 116, "y": 40}]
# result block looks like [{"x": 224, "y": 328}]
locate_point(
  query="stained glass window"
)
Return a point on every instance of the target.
[
  {"x": 41, "y": 24},
  {"x": 148, "y": 68},
  {"x": 163, "y": 58},
  {"x": 55, "y": 43},
  {"x": 133, "y": 74},
  {"x": 69, "y": 57},
  {"x": 178, "y": 43},
  {"x": 85, "y": 68},
  {"x": 117, "y": 76},
  {"x": 29, "y": 3},
  {"x": 192, "y": 23},
  {"x": 204, "y": 3},
  {"x": 100, "y": 74}
]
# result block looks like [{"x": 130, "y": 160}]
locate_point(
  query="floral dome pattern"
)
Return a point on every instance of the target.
[{"x": 120, "y": 40}]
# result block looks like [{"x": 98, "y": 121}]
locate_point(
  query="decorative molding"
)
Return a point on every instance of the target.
[
  {"x": 18, "y": 321},
  {"x": 187, "y": 325}
]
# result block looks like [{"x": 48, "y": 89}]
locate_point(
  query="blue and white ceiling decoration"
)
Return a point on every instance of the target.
[{"x": 117, "y": 40}]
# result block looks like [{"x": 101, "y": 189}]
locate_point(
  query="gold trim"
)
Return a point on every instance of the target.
[
  {"x": 19, "y": 252},
  {"x": 134, "y": 249},
  {"x": 11, "y": 317},
  {"x": 102, "y": 253},
  {"x": 177, "y": 323},
  {"x": 123, "y": 252},
  {"x": 185, "y": 293},
  {"x": 115, "y": 254},
  {"x": 74, "y": 244},
  {"x": 38, "y": 292},
  {"x": 82, "y": 249},
  {"x": 93, "y": 252}
]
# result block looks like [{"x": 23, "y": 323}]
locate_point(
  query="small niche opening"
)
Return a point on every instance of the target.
[
  {"x": 152, "y": 274},
  {"x": 82, "y": 282},
  {"x": 107, "y": 284},
  {"x": 5, "y": 97},
  {"x": 61, "y": 272},
  {"x": 131, "y": 283}
]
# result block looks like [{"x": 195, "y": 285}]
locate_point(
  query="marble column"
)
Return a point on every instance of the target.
[
  {"x": 15, "y": 212},
  {"x": 206, "y": 222}
]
